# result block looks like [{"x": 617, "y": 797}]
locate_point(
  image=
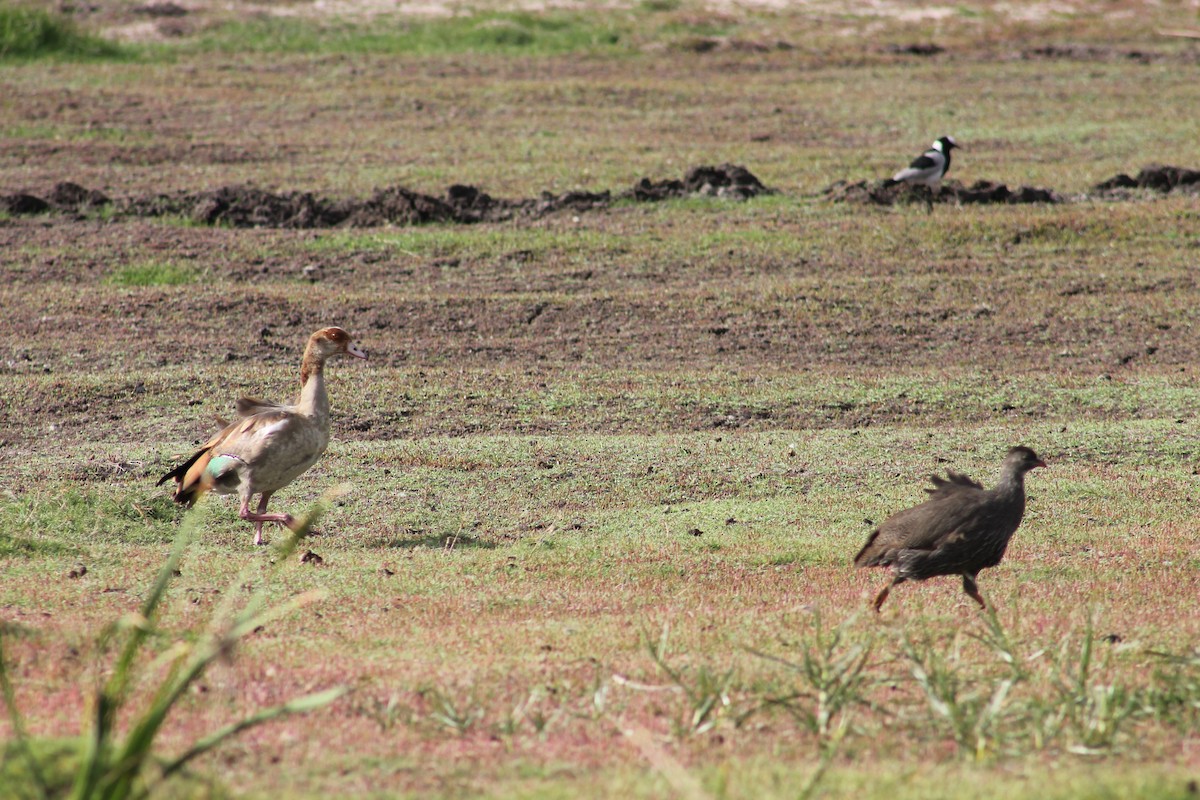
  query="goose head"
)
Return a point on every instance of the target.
[{"x": 334, "y": 341}]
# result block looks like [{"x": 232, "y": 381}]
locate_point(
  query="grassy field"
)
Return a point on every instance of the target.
[{"x": 607, "y": 470}]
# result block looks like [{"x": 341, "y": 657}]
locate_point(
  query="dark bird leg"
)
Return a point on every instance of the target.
[
  {"x": 972, "y": 590},
  {"x": 896, "y": 581}
]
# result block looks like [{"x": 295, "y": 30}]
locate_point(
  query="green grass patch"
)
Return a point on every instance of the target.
[
  {"x": 542, "y": 33},
  {"x": 14, "y": 545},
  {"x": 32, "y": 33},
  {"x": 51, "y": 524},
  {"x": 548, "y": 33},
  {"x": 153, "y": 273}
]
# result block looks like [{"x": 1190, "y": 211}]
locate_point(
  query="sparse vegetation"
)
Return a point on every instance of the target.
[
  {"x": 835, "y": 678},
  {"x": 610, "y": 466},
  {"x": 542, "y": 34},
  {"x": 108, "y": 763},
  {"x": 34, "y": 33},
  {"x": 152, "y": 273}
]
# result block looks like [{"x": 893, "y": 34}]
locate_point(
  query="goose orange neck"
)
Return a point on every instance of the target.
[
  {"x": 313, "y": 402},
  {"x": 312, "y": 364}
]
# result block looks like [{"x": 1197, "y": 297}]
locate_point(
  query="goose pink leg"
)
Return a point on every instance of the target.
[{"x": 260, "y": 516}]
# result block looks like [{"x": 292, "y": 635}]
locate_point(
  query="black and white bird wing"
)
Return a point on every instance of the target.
[{"x": 929, "y": 166}]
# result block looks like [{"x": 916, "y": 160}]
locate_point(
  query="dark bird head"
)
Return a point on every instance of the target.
[
  {"x": 1022, "y": 459},
  {"x": 945, "y": 144}
]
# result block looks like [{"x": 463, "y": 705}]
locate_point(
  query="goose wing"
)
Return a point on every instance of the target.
[
  {"x": 249, "y": 406},
  {"x": 249, "y": 444}
]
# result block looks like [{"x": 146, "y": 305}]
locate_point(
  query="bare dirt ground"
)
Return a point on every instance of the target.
[
  {"x": 581, "y": 280},
  {"x": 540, "y": 319}
]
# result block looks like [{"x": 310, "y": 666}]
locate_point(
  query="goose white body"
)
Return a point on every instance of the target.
[{"x": 271, "y": 444}]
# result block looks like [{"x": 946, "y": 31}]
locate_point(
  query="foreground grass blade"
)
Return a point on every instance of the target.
[
  {"x": 14, "y": 714},
  {"x": 113, "y": 694},
  {"x": 300, "y": 705},
  {"x": 115, "y": 770}
]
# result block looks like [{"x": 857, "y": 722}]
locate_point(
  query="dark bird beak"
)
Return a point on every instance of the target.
[{"x": 1039, "y": 464}]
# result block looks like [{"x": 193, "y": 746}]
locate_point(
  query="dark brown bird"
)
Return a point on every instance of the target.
[{"x": 961, "y": 529}]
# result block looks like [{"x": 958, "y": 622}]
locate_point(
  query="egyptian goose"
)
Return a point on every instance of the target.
[
  {"x": 271, "y": 444},
  {"x": 961, "y": 529}
]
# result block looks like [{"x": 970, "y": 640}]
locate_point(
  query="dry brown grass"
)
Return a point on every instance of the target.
[{"x": 771, "y": 374}]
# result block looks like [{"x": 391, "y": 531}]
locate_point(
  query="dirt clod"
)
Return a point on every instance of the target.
[
  {"x": 887, "y": 193},
  {"x": 727, "y": 180},
  {"x": 23, "y": 204},
  {"x": 166, "y": 9},
  {"x": 915, "y": 49},
  {"x": 240, "y": 206},
  {"x": 309, "y": 557},
  {"x": 73, "y": 197},
  {"x": 1084, "y": 52},
  {"x": 1157, "y": 177}
]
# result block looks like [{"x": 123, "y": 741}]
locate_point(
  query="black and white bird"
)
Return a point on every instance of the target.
[{"x": 929, "y": 168}]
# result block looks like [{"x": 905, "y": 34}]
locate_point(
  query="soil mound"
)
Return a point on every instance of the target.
[
  {"x": 1086, "y": 52},
  {"x": 887, "y": 193},
  {"x": 993, "y": 192},
  {"x": 240, "y": 206},
  {"x": 65, "y": 196},
  {"x": 1158, "y": 177},
  {"x": 727, "y": 180},
  {"x": 914, "y": 49},
  {"x": 73, "y": 197},
  {"x": 20, "y": 203},
  {"x": 396, "y": 205}
]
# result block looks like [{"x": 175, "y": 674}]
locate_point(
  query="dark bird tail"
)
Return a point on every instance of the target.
[
  {"x": 187, "y": 476},
  {"x": 867, "y": 557}
]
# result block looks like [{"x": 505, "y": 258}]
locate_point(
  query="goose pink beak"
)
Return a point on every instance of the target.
[{"x": 355, "y": 350}]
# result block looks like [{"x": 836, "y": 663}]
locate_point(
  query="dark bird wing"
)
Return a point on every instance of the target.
[
  {"x": 952, "y": 483},
  {"x": 956, "y": 507},
  {"x": 924, "y": 168},
  {"x": 923, "y": 162}
]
